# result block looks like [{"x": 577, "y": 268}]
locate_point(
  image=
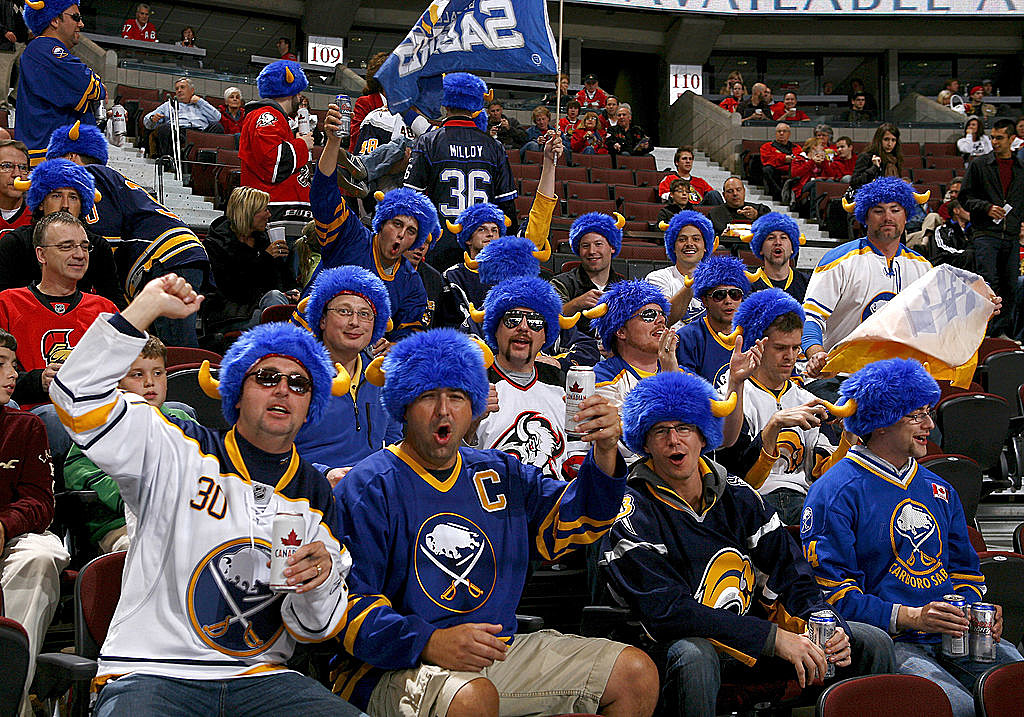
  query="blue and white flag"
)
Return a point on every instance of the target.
[{"x": 463, "y": 36}]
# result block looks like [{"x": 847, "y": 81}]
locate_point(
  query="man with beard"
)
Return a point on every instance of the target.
[
  {"x": 735, "y": 210},
  {"x": 689, "y": 238},
  {"x": 776, "y": 242}
]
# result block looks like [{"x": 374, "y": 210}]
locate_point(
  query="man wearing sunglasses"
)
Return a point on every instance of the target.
[
  {"x": 887, "y": 537},
  {"x": 521, "y": 320},
  {"x": 720, "y": 283},
  {"x": 197, "y": 623},
  {"x": 54, "y": 86}
]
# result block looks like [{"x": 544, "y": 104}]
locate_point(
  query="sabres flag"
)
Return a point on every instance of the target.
[
  {"x": 465, "y": 36},
  {"x": 939, "y": 320}
]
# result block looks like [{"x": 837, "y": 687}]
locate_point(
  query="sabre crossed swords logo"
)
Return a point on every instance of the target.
[{"x": 448, "y": 539}]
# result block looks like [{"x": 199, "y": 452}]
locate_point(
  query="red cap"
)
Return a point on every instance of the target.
[{"x": 977, "y": 88}]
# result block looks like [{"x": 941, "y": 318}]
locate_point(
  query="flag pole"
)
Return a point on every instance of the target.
[{"x": 558, "y": 74}]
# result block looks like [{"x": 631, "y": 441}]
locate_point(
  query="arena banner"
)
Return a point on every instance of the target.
[
  {"x": 465, "y": 36},
  {"x": 847, "y": 8}
]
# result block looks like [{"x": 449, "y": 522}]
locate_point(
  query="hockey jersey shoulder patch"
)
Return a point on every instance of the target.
[{"x": 266, "y": 119}]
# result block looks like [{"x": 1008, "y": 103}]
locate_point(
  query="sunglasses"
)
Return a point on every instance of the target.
[
  {"x": 75, "y": 17},
  {"x": 720, "y": 294},
  {"x": 534, "y": 321},
  {"x": 649, "y": 316},
  {"x": 270, "y": 378}
]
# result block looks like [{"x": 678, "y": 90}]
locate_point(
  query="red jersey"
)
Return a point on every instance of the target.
[
  {"x": 845, "y": 166},
  {"x": 568, "y": 127},
  {"x": 595, "y": 101},
  {"x": 290, "y": 56},
  {"x": 275, "y": 161},
  {"x": 698, "y": 187},
  {"x": 363, "y": 106},
  {"x": 773, "y": 155},
  {"x": 779, "y": 110},
  {"x": 133, "y": 31},
  {"x": 729, "y": 103},
  {"x": 21, "y": 218}
]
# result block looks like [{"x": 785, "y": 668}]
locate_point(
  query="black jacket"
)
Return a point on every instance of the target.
[
  {"x": 576, "y": 282},
  {"x": 723, "y": 215},
  {"x": 982, "y": 189}
]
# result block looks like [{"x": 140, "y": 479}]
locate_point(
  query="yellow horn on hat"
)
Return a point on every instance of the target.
[
  {"x": 374, "y": 373},
  {"x": 923, "y": 197},
  {"x": 543, "y": 254},
  {"x": 301, "y": 306},
  {"x": 731, "y": 336},
  {"x": 389, "y": 326},
  {"x": 488, "y": 354},
  {"x": 687, "y": 281},
  {"x": 597, "y": 312},
  {"x": 378, "y": 195},
  {"x": 475, "y": 313},
  {"x": 470, "y": 263},
  {"x": 453, "y": 228},
  {"x": 844, "y": 411},
  {"x": 721, "y": 409},
  {"x": 341, "y": 383},
  {"x": 745, "y": 237},
  {"x": 289, "y": 75},
  {"x": 96, "y": 196},
  {"x": 663, "y": 226},
  {"x": 620, "y": 221},
  {"x": 849, "y": 206},
  {"x": 22, "y": 185},
  {"x": 508, "y": 222},
  {"x": 37, "y": 5},
  {"x": 751, "y": 275},
  {"x": 714, "y": 245},
  {"x": 73, "y": 132},
  {"x": 210, "y": 386},
  {"x": 567, "y": 322},
  {"x": 802, "y": 240},
  {"x": 489, "y": 95}
]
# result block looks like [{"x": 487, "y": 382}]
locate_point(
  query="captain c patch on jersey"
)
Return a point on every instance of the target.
[{"x": 454, "y": 562}]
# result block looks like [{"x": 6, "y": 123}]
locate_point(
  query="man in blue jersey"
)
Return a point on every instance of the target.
[
  {"x": 54, "y": 86},
  {"x": 887, "y": 538},
  {"x": 442, "y": 536},
  {"x": 684, "y": 552}
]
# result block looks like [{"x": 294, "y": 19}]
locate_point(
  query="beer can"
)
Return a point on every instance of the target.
[
  {"x": 344, "y": 103},
  {"x": 289, "y": 534},
  {"x": 982, "y": 643},
  {"x": 820, "y": 628},
  {"x": 956, "y": 645},
  {"x": 303, "y": 118},
  {"x": 579, "y": 386}
]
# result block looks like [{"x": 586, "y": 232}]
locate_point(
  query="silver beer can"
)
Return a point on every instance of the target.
[
  {"x": 344, "y": 103},
  {"x": 982, "y": 642},
  {"x": 579, "y": 386},
  {"x": 956, "y": 645},
  {"x": 289, "y": 534},
  {"x": 303, "y": 119},
  {"x": 821, "y": 626}
]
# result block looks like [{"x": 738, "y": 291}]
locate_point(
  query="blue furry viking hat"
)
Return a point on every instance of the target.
[
  {"x": 719, "y": 271},
  {"x": 349, "y": 280},
  {"x": 39, "y": 19},
  {"x": 472, "y": 217},
  {"x": 275, "y": 339},
  {"x": 886, "y": 391},
  {"x": 760, "y": 309},
  {"x": 282, "y": 78},
  {"x": 409, "y": 203},
  {"x": 607, "y": 226},
  {"x": 882, "y": 191},
  {"x": 771, "y": 222},
  {"x": 80, "y": 139},
  {"x": 622, "y": 300},
  {"x": 464, "y": 91},
  {"x": 532, "y": 293},
  {"x": 439, "y": 358},
  {"x": 509, "y": 257},
  {"x": 57, "y": 174},
  {"x": 672, "y": 396},
  {"x": 687, "y": 218}
]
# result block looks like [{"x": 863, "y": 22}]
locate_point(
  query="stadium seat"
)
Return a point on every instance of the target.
[
  {"x": 532, "y": 157},
  {"x": 943, "y": 162},
  {"x": 581, "y": 190},
  {"x": 526, "y": 171},
  {"x": 579, "y": 207},
  {"x": 932, "y": 176},
  {"x": 14, "y": 657},
  {"x": 623, "y": 193},
  {"x": 859, "y": 147},
  {"x": 612, "y": 176},
  {"x": 523, "y": 205},
  {"x": 513, "y": 156},
  {"x": 1002, "y": 373},
  {"x": 641, "y": 211},
  {"x": 939, "y": 149},
  {"x": 993, "y": 344},
  {"x": 178, "y": 355},
  {"x": 647, "y": 178},
  {"x": 1004, "y": 578},
  {"x": 914, "y": 161},
  {"x": 184, "y": 386},
  {"x": 528, "y": 187},
  {"x": 641, "y": 163},
  {"x": 127, "y": 92},
  {"x": 974, "y": 425},
  {"x": 215, "y": 141},
  {"x": 910, "y": 148},
  {"x": 642, "y": 252},
  {"x": 277, "y": 313},
  {"x": 963, "y": 474},
  {"x": 884, "y": 696},
  {"x": 570, "y": 174},
  {"x": 592, "y": 160},
  {"x": 977, "y": 540},
  {"x": 999, "y": 692}
]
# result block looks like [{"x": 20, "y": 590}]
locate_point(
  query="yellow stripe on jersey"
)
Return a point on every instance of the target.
[
  {"x": 733, "y": 652},
  {"x": 352, "y": 626},
  {"x": 835, "y": 262},
  {"x": 833, "y": 598},
  {"x": 442, "y": 486},
  {"x": 583, "y": 531},
  {"x": 89, "y": 420}
]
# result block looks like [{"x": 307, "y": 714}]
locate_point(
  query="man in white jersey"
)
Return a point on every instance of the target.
[{"x": 689, "y": 237}]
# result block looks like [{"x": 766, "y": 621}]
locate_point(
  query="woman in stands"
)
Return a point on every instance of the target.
[
  {"x": 188, "y": 37},
  {"x": 232, "y": 112},
  {"x": 589, "y": 139},
  {"x": 251, "y": 271},
  {"x": 975, "y": 142},
  {"x": 882, "y": 158}
]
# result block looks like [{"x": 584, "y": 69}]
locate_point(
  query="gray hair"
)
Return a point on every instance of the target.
[
  {"x": 827, "y": 129},
  {"x": 230, "y": 91},
  {"x": 186, "y": 80},
  {"x": 625, "y": 106}
]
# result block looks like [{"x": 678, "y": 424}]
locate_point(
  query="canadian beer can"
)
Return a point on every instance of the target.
[
  {"x": 579, "y": 386},
  {"x": 303, "y": 118},
  {"x": 344, "y": 103},
  {"x": 820, "y": 628},
  {"x": 289, "y": 534},
  {"x": 956, "y": 645},
  {"x": 982, "y": 643}
]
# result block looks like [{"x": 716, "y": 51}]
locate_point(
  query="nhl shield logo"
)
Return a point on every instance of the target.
[
  {"x": 454, "y": 562},
  {"x": 230, "y": 605}
]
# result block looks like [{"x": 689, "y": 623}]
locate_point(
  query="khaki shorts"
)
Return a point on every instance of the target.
[{"x": 543, "y": 673}]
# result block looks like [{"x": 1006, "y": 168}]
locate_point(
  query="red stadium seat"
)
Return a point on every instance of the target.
[
  {"x": 913, "y": 162},
  {"x": 954, "y": 163},
  {"x": 277, "y": 314},
  {"x": 642, "y": 163},
  {"x": 579, "y": 207},
  {"x": 228, "y": 157},
  {"x": 623, "y": 193},
  {"x": 592, "y": 160},
  {"x": 1002, "y": 373},
  {"x": 963, "y": 474},
  {"x": 641, "y": 211},
  {"x": 127, "y": 92},
  {"x": 528, "y": 187},
  {"x": 887, "y": 695},
  {"x": 513, "y": 156},
  {"x": 580, "y": 190},
  {"x": 643, "y": 252},
  {"x": 994, "y": 344},
  {"x": 612, "y": 176},
  {"x": 523, "y": 205},
  {"x": 932, "y": 176},
  {"x": 532, "y": 157},
  {"x": 647, "y": 178},
  {"x": 859, "y": 147},
  {"x": 526, "y": 171},
  {"x": 999, "y": 692},
  {"x": 178, "y": 355},
  {"x": 203, "y": 140},
  {"x": 570, "y": 174},
  {"x": 940, "y": 149},
  {"x": 910, "y": 148},
  {"x": 974, "y": 425}
]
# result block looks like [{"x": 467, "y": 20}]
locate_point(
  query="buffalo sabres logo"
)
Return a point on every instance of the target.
[
  {"x": 59, "y": 52},
  {"x": 790, "y": 446},
  {"x": 305, "y": 176},
  {"x": 876, "y": 304},
  {"x": 728, "y": 582},
  {"x": 265, "y": 120},
  {"x": 230, "y": 605},
  {"x": 806, "y": 521},
  {"x": 55, "y": 345},
  {"x": 916, "y": 539},
  {"x": 625, "y": 511},
  {"x": 454, "y": 562},
  {"x": 533, "y": 440}
]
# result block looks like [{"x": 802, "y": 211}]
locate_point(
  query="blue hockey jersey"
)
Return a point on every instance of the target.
[
  {"x": 879, "y": 537},
  {"x": 703, "y": 352}
]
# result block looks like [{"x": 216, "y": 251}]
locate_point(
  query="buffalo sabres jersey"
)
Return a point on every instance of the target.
[
  {"x": 195, "y": 601},
  {"x": 379, "y": 127},
  {"x": 880, "y": 537},
  {"x": 850, "y": 283},
  {"x": 435, "y": 549},
  {"x": 726, "y": 573},
  {"x": 530, "y": 422},
  {"x": 614, "y": 378},
  {"x": 703, "y": 352},
  {"x": 458, "y": 165},
  {"x": 800, "y": 455}
]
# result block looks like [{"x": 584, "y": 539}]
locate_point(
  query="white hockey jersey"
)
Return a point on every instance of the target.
[
  {"x": 670, "y": 281},
  {"x": 195, "y": 601}
]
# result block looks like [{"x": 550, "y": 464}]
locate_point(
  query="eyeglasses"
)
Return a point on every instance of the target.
[
  {"x": 649, "y": 316},
  {"x": 919, "y": 416},
  {"x": 363, "y": 315},
  {"x": 75, "y": 17},
  {"x": 720, "y": 294},
  {"x": 683, "y": 430},
  {"x": 8, "y": 167},
  {"x": 270, "y": 378},
  {"x": 534, "y": 321},
  {"x": 66, "y": 247}
]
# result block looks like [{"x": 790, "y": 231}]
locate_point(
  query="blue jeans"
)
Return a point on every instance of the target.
[
  {"x": 588, "y": 150},
  {"x": 789, "y": 504},
  {"x": 694, "y": 669},
  {"x": 180, "y": 332},
  {"x": 712, "y": 198},
  {"x": 272, "y": 695},
  {"x": 956, "y": 676},
  {"x": 380, "y": 160}
]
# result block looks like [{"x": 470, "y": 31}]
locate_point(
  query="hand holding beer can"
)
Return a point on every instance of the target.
[
  {"x": 344, "y": 103},
  {"x": 956, "y": 645},
  {"x": 288, "y": 535},
  {"x": 579, "y": 386},
  {"x": 982, "y": 641},
  {"x": 820, "y": 628}
]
